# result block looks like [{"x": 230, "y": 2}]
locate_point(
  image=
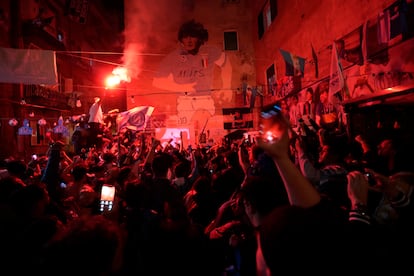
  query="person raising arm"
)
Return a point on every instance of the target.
[{"x": 300, "y": 191}]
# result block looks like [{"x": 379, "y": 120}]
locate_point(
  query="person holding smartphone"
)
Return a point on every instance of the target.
[
  {"x": 275, "y": 142},
  {"x": 288, "y": 233}
]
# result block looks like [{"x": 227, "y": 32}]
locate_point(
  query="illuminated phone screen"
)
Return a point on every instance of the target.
[
  {"x": 108, "y": 193},
  {"x": 107, "y": 197},
  {"x": 269, "y": 116}
]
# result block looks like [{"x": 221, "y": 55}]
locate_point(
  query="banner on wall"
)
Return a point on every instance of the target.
[
  {"x": 237, "y": 118},
  {"x": 28, "y": 66},
  {"x": 288, "y": 85}
]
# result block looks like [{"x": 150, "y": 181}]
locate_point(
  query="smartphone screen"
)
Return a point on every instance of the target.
[
  {"x": 269, "y": 116},
  {"x": 270, "y": 111},
  {"x": 107, "y": 197},
  {"x": 246, "y": 139}
]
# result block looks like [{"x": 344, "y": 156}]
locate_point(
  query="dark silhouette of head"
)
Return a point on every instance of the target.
[{"x": 195, "y": 30}]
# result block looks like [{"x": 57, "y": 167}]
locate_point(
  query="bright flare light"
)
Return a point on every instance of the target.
[
  {"x": 119, "y": 75},
  {"x": 269, "y": 136},
  {"x": 112, "y": 81}
]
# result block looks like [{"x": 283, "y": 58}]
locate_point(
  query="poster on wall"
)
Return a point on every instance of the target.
[
  {"x": 288, "y": 85},
  {"x": 237, "y": 118}
]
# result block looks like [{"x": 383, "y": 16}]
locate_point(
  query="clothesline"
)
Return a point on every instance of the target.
[
  {"x": 76, "y": 54},
  {"x": 106, "y": 53}
]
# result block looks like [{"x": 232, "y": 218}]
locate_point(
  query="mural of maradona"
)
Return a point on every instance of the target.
[{"x": 189, "y": 71}]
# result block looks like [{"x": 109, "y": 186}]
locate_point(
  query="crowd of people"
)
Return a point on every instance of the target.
[{"x": 316, "y": 201}]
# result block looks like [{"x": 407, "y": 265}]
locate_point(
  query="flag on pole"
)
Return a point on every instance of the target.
[
  {"x": 28, "y": 66},
  {"x": 135, "y": 118},
  {"x": 375, "y": 37},
  {"x": 383, "y": 27},
  {"x": 315, "y": 62},
  {"x": 336, "y": 81},
  {"x": 295, "y": 65}
]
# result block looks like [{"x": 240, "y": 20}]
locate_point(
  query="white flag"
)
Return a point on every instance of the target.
[
  {"x": 28, "y": 66},
  {"x": 135, "y": 118},
  {"x": 336, "y": 82}
]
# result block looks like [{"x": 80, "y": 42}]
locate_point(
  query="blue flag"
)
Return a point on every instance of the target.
[{"x": 295, "y": 66}]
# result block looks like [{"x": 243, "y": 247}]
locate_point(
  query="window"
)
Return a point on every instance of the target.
[
  {"x": 266, "y": 16},
  {"x": 231, "y": 41}
]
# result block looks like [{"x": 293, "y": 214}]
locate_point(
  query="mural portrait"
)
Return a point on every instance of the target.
[{"x": 190, "y": 72}]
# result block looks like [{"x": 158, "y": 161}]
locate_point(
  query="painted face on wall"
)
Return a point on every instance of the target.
[{"x": 190, "y": 44}]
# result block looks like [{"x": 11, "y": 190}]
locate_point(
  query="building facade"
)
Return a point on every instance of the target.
[
  {"x": 194, "y": 93},
  {"x": 365, "y": 46},
  {"x": 78, "y": 32}
]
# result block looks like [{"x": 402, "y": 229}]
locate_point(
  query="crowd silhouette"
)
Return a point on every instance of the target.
[{"x": 302, "y": 201}]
